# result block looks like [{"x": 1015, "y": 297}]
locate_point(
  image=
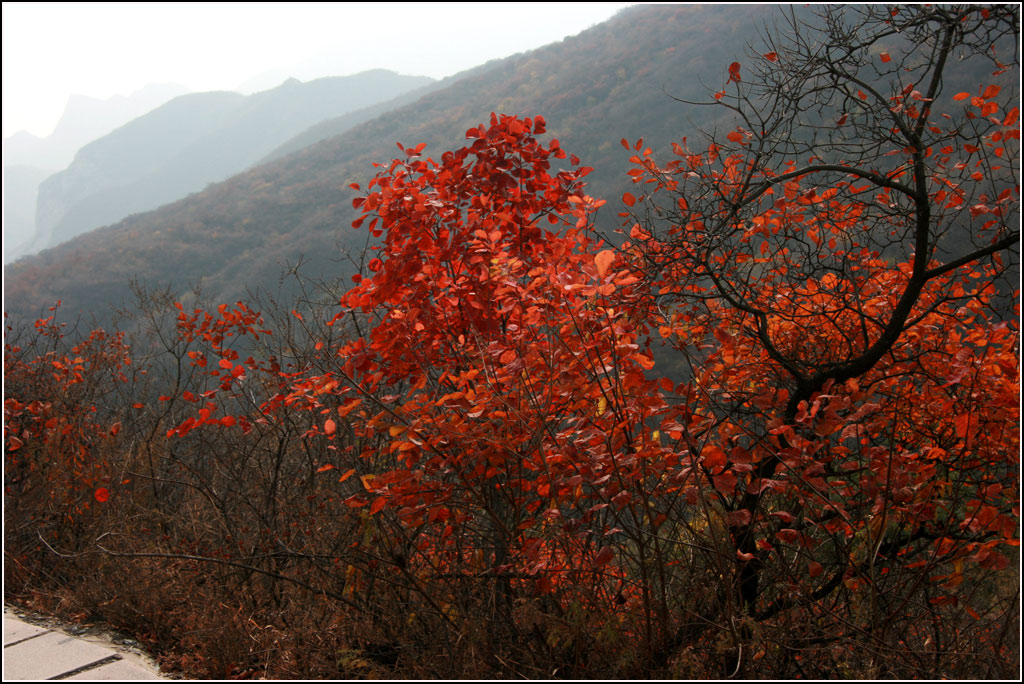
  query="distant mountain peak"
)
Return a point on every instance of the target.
[
  {"x": 85, "y": 119},
  {"x": 190, "y": 142}
]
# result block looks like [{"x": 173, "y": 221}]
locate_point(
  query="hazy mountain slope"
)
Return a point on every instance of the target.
[
  {"x": 84, "y": 120},
  {"x": 132, "y": 151},
  {"x": 21, "y": 183},
  {"x": 190, "y": 142},
  {"x": 612, "y": 81},
  {"x": 335, "y": 126}
]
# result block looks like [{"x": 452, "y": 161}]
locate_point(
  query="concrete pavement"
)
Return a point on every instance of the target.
[{"x": 35, "y": 652}]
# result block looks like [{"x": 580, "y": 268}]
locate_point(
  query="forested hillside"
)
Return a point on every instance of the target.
[
  {"x": 458, "y": 454},
  {"x": 190, "y": 142},
  {"x": 615, "y": 80}
]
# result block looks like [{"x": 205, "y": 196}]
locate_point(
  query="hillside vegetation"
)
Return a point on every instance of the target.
[
  {"x": 609, "y": 82},
  {"x": 457, "y": 455},
  {"x": 191, "y": 141}
]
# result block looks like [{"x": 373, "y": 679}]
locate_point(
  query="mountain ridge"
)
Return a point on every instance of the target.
[
  {"x": 189, "y": 142},
  {"x": 85, "y": 119},
  {"x": 617, "y": 79}
]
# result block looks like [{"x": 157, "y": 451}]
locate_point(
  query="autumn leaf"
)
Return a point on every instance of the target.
[
  {"x": 734, "y": 72},
  {"x": 603, "y": 260},
  {"x": 603, "y": 557},
  {"x": 738, "y": 518},
  {"x": 787, "y": 535}
]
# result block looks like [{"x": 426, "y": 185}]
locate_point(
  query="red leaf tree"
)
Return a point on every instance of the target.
[
  {"x": 830, "y": 269},
  {"x": 59, "y": 428},
  {"x": 502, "y": 360},
  {"x": 842, "y": 449}
]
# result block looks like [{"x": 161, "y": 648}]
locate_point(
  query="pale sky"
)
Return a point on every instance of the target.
[{"x": 54, "y": 50}]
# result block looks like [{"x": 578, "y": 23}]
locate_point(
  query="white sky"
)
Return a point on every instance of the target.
[{"x": 54, "y": 50}]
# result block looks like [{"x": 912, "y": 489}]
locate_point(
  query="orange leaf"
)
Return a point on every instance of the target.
[
  {"x": 787, "y": 535},
  {"x": 734, "y": 72},
  {"x": 725, "y": 483},
  {"x": 604, "y": 556},
  {"x": 738, "y": 518},
  {"x": 990, "y": 92},
  {"x": 102, "y": 494},
  {"x": 324, "y": 468},
  {"x": 885, "y": 57},
  {"x": 961, "y": 96},
  {"x": 961, "y": 423},
  {"x": 330, "y": 426},
  {"x": 629, "y": 199},
  {"x": 604, "y": 260},
  {"x": 714, "y": 457}
]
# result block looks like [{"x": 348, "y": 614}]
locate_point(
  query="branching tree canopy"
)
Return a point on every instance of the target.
[
  {"x": 829, "y": 267},
  {"x": 845, "y": 450},
  {"x": 476, "y": 452}
]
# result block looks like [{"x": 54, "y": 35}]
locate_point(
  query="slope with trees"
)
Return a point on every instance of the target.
[
  {"x": 850, "y": 252},
  {"x": 190, "y": 142},
  {"x": 21, "y": 185},
  {"x": 28, "y": 159},
  {"x": 85, "y": 119},
  {"x": 469, "y": 464},
  {"x": 594, "y": 88}
]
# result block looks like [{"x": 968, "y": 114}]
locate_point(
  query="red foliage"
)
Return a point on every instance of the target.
[
  {"x": 54, "y": 431},
  {"x": 504, "y": 361}
]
